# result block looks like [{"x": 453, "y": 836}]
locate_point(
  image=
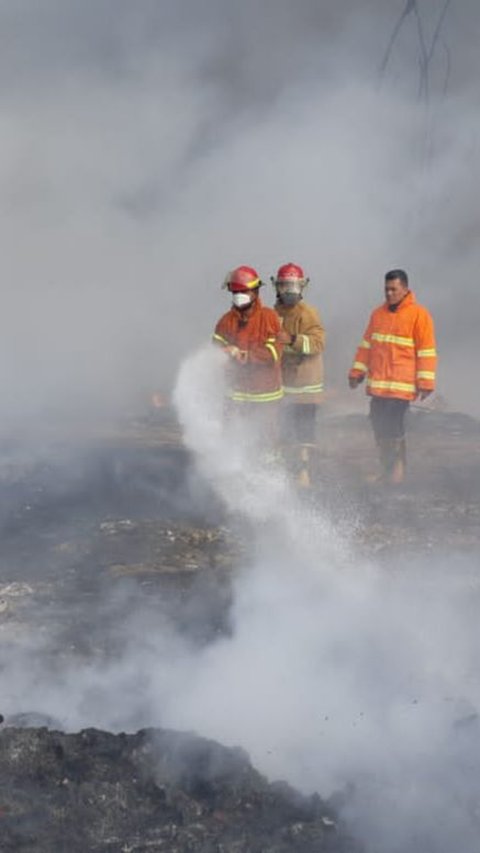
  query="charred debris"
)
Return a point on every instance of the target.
[
  {"x": 151, "y": 791},
  {"x": 125, "y": 513}
]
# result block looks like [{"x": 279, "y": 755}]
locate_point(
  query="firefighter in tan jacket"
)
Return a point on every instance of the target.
[{"x": 302, "y": 363}]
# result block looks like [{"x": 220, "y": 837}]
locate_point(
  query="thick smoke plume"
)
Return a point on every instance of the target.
[
  {"x": 337, "y": 676},
  {"x": 147, "y": 149}
]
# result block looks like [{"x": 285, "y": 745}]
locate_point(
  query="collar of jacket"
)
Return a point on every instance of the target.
[{"x": 407, "y": 300}]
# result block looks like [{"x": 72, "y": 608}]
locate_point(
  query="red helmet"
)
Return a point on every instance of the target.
[
  {"x": 287, "y": 272},
  {"x": 242, "y": 279}
]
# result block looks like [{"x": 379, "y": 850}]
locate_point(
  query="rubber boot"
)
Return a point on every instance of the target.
[
  {"x": 303, "y": 478},
  {"x": 385, "y": 460},
  {"x": 387, "y": 452},
  {"x": 397, "y": 474}
]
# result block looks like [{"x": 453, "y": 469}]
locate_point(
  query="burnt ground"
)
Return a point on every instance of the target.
[
  {"x": 93, "y": 526},
  {"x": 436, "y": 511},
  {"x": 151, "y": 791}
]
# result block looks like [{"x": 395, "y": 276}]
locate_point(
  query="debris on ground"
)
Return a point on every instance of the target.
[
  {"x": 152, "y": 791},
  {"x": 93, "y": 533}
]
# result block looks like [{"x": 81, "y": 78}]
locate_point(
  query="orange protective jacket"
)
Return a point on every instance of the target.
[
  {"x": 255, "y": 332},
  {"x": 397, "y": 353}
]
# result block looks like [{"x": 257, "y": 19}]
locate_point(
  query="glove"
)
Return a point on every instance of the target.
[
  {"x": 353, "y": 381},
  {"x": 237, "y": 354},
  {"x": 231, "y": 350}
]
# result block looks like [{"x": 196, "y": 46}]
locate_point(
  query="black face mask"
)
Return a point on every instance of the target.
[{"x": 289, "y": 299}]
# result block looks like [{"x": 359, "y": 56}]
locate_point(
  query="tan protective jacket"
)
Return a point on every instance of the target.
[{"x": 302, "y": 363}]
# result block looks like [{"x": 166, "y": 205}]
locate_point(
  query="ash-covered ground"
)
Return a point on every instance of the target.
[
  {"x": 155, "y": 790},
  {"x": 127, "y": 511},
  {"x": 120, "y": 523}
]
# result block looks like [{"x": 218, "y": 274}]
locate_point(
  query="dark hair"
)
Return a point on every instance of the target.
[{"x": 391, "y": 275}]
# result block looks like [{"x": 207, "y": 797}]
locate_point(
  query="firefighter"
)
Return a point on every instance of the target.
[
  {"x": 397, "y": 356},
  {"x": 249, "y": 336},
  {"x": 302, "y": 364}
]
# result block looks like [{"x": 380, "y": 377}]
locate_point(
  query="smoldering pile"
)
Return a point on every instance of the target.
[
  {"x": 155, "y": 790},
  {"x": 90, "y": 535}
]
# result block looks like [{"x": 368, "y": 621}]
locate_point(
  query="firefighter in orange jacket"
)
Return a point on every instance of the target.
[
  {"x": 302, "y": 363},
  {"x": 398, "y": 358},
  {"x": 249, "y": 335}
]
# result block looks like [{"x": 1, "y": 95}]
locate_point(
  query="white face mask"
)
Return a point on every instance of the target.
[{"x": 241, "y": 300}]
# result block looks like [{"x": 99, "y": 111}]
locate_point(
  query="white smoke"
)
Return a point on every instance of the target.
[
  {"x": 337, "y": 676},
  {"x": 336, "y": 673},
  {"x": 147, "y": 149}
]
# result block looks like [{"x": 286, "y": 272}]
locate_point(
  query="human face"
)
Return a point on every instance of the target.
[
  {"x": 289, "y": 285},
  {"x": 395, "y": 290},
  {"x": 289, "y": 291}
]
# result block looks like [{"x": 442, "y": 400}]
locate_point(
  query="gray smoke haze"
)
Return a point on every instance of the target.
[
  {"x": 338, "y": 675},
  {"x": 146, "y": 148}
]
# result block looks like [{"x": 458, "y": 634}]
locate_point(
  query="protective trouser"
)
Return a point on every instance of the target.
[
  {"x": 256, "y": 427},
  {"x": 299, "y": 434},
  {"x": 387, "y": 415}
]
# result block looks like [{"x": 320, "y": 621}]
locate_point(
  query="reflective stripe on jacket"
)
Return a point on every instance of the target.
[
  {"x": 302, "y": 362},
  {"x": 255, "y": 332},
  {"x": 397, "y": 352}
]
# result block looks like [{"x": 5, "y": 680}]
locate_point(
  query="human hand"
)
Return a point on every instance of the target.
[
  {"x": 231, "y": 350},
  {"x": 284, "y": 337},
  {"x": 236, "y": 354},
  {"x": 158, "y": 400},
  {"x": 422, "y": 395},
  {"x": 353, "y": 381}
]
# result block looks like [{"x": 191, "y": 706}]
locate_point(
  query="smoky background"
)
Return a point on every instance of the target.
[{"x": 147, "y": 148}]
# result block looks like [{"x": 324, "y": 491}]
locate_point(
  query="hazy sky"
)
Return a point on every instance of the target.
[{"x": 148, "y": 147}]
